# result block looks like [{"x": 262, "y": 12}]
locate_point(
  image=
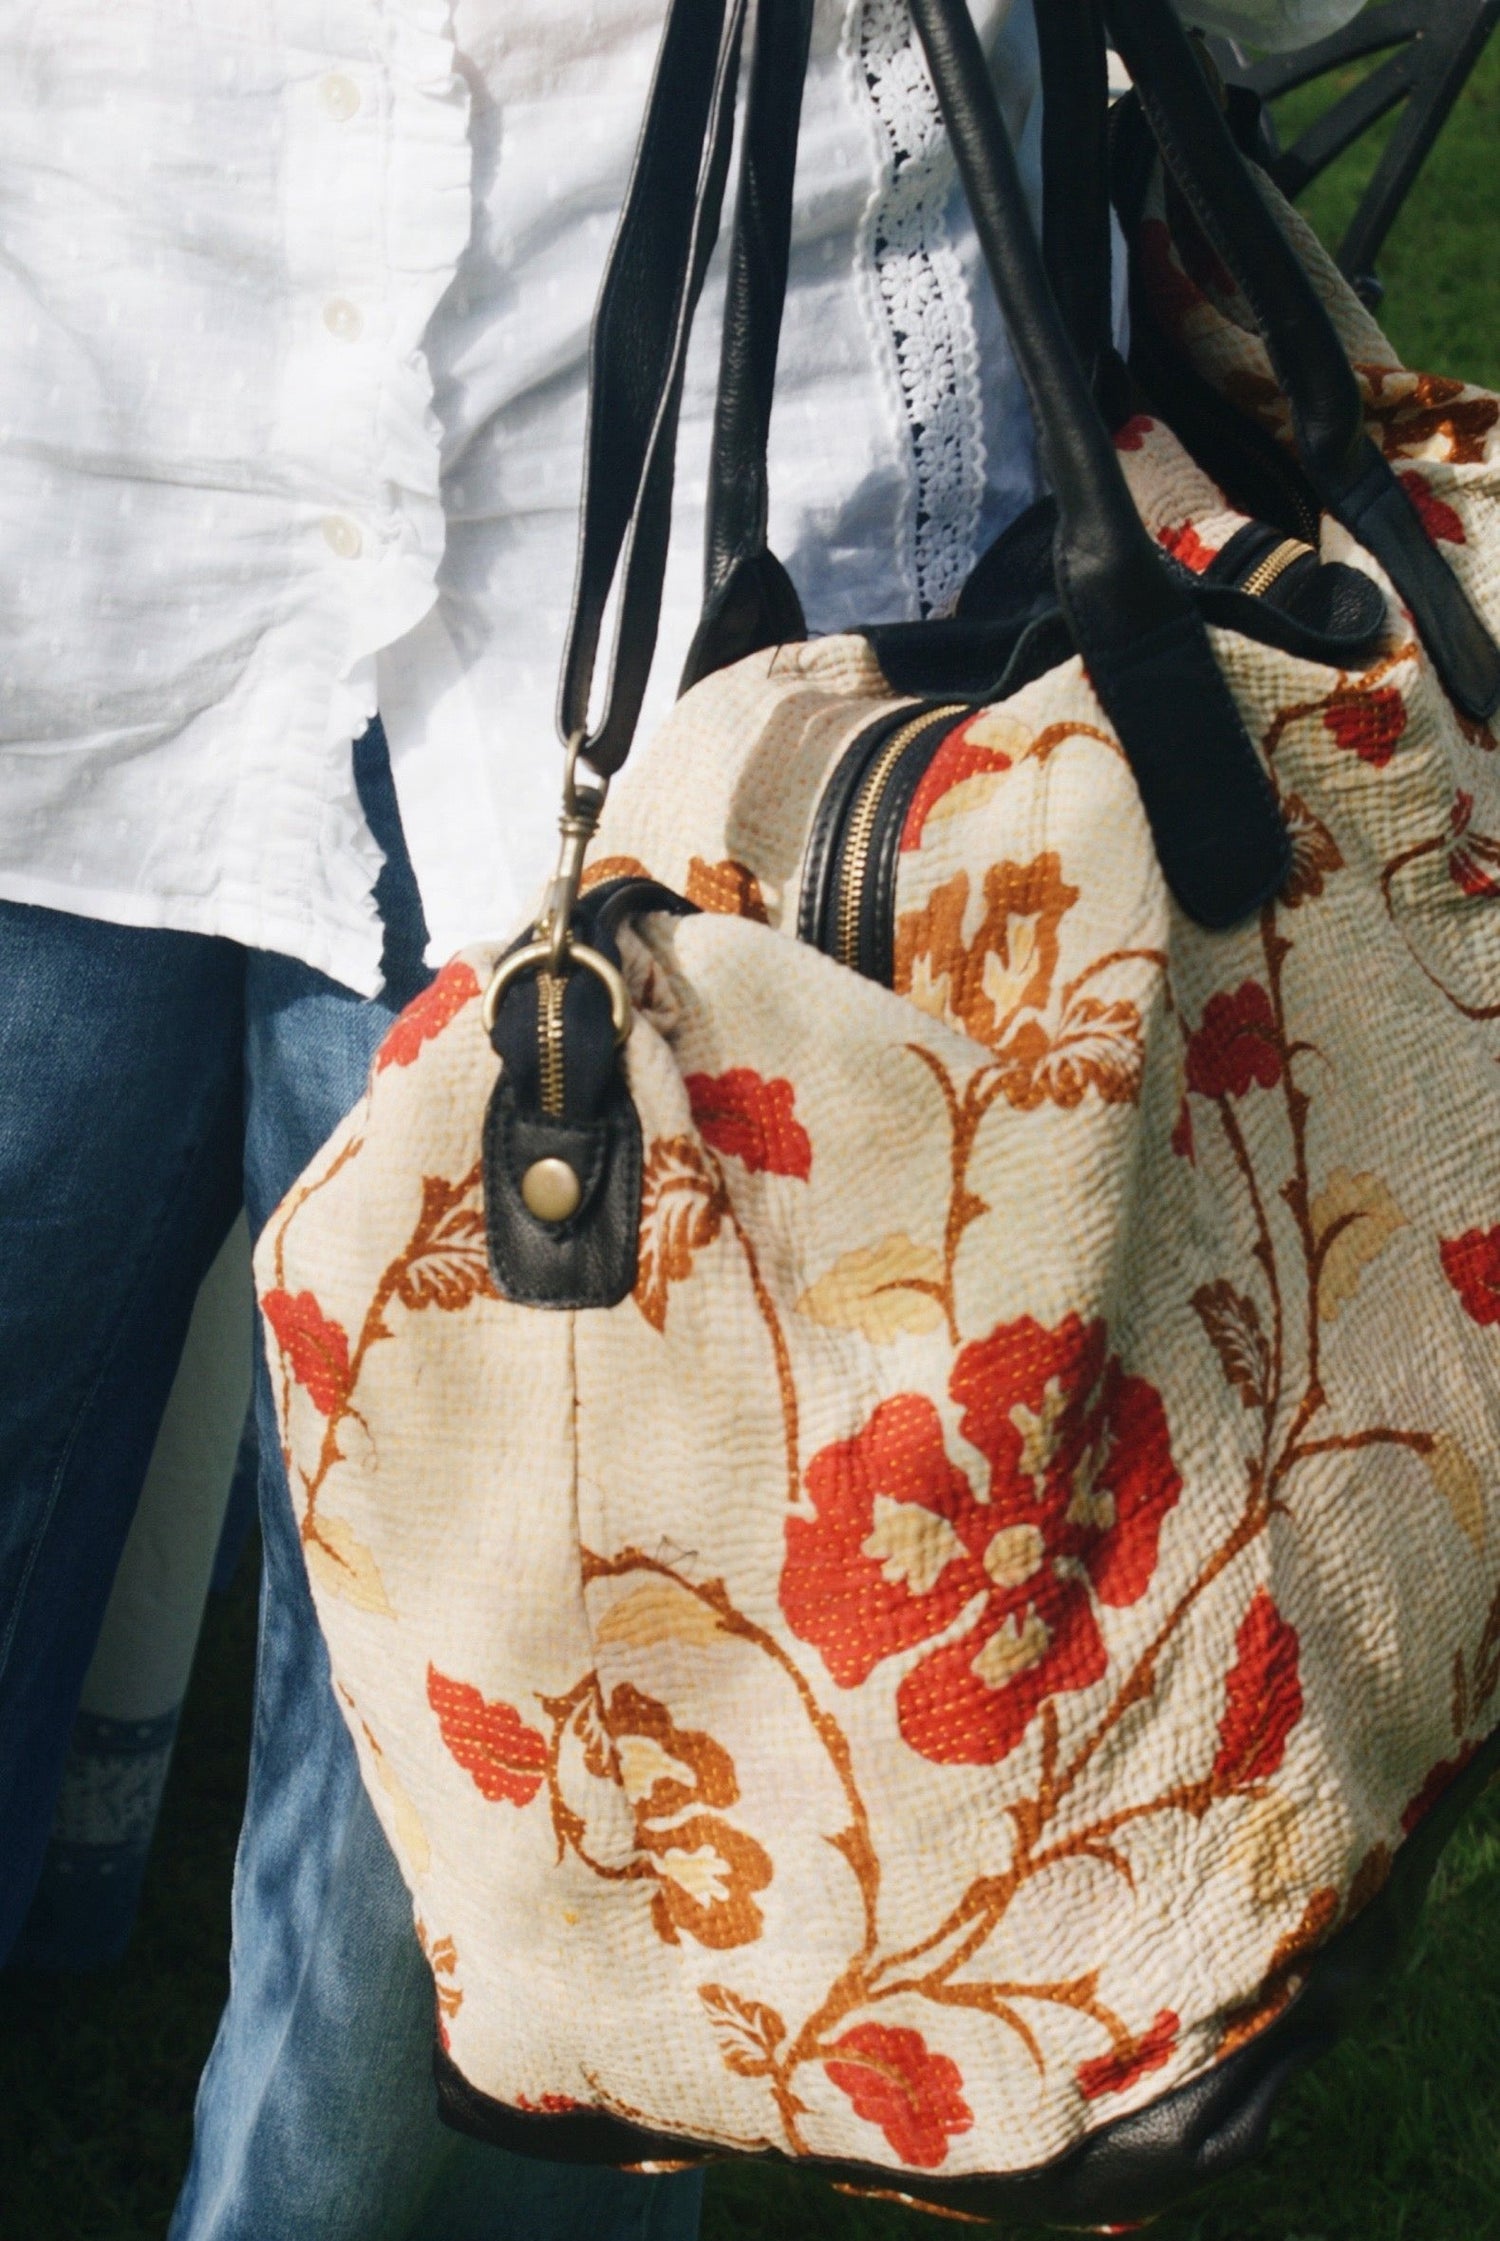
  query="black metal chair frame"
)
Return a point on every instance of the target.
[{"x": 1434, "y": 45}]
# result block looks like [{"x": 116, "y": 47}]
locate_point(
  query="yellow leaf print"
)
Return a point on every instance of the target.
[
  {"x": 341, "y": 1565},
  {"x": 881, "y": 1290},
  {"x": 1459, "y": 1483},
  {"x": 657, "y": 1611},
  {"x": 1354, "y": 1218}
]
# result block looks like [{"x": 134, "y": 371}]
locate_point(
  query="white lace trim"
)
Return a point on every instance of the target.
[{"x": 922, "y": 300}]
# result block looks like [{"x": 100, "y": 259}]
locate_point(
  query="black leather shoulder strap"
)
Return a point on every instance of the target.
[
  {"x": 749, "y": 599},
  {"x": 1353, "y": 480},
  {"x": 637, "y": 354},
  {"x": 1075, "y": 174}
]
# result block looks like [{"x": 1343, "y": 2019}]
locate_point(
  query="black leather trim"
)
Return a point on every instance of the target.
[
  {"x": 1134, "y": 2168},
  {"x": 754, "y": 607},
  {"x": 877, "y": 918},
  {"x": 590, "y": 1259},
  {"x": 817, "y": 906}
]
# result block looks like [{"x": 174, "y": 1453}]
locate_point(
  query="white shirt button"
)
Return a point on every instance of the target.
[
  {"x": 341, "y": 537},
  {"x": 340, "y": 96},
  {"x": 343, "y": 319}
]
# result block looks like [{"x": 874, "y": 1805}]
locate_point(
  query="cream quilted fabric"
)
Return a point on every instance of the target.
[{"x": 920, "y": 1678}]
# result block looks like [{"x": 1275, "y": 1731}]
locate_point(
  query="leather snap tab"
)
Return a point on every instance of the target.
[{"x": 551, "y": 1190}]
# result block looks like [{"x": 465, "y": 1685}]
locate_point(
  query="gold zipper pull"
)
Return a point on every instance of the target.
[{"x": 1276, "y": 563}]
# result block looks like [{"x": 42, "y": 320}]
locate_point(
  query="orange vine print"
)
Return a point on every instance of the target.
[
  {"x": 1474, "y": 1684},
  {"x": 679, "y": 1783},
  {"x": 491, "y": 1742},
  {"x": 997, "y": 984},
  {"x": 729, "y": 888},
  {"x": 683, "y": 1204},
  {"x": 900, "y": 1544},
  {"x": 442, "y": 1959},
  {"x": 1473, "y": 857},
  {"x": 753, "y": 1120},
  {"x": 706, "y": 1872},
  {"x": 1409, "y": 410},
  {"x": 894, "y": 2080},
  {"x": 428, "y": 1014},
  {"x": 443, "y": 1265}
]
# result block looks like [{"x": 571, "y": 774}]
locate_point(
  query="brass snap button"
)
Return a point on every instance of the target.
[{"x": 551, "y": 1190}]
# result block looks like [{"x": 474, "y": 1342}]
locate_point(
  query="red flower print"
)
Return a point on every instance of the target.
[
  {"x": 895, "y": 2081},
  {"x": 1471, "y": 1264},
  {"x": 1134, "y": 432},
  {"x": 1439, "y": 1782},
  {"x": 1114, "y": 2073},
  {"x": 1441, "y": 523},
  {"x": 428, "y": 1014},
  {"x": 1263, "y": 1701},
  {"x": 316, "y": 1349},
  {"x": 900, "y": 1545},
  {"x": 958, "y": 758},
  {"x": 1474, "y": 858},
  {"x": 751, "y": 1119},
  {"x": 490, "y": 1741},
  {"x": 547, "y": 2104},
  {"x": 1368, "y": 724},
  {"x": 1235, "y": 1045},
  {"x": 1186, "y": 545},
  {"x": 1182, "y": 1134}
]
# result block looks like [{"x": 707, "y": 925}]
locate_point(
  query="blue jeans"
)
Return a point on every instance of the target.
[{"x": 148, "y": 1082}]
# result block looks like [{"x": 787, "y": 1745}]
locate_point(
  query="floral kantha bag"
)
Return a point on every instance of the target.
[{"x": 896, "y": 1409}]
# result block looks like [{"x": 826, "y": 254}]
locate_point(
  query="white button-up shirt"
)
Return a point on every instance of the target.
[{"x": 294, "y": 306}]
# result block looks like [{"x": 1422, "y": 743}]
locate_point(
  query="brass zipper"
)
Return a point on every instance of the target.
[
  {"x": 1276, "y": 563},
  {"x": 861, "y": 831},
  {"x": 550, "y": 990}
]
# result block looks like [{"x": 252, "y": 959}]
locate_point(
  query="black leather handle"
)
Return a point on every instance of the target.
[
  {"x": 637, "y": 352},
  {"x": 1352, "y": 479},
  {"x": 1210, "y": 806},
  {"x": 749, "y": 599},
  {"x": 1213, "y": 817},
  {"x": 1076, "y": 242}
]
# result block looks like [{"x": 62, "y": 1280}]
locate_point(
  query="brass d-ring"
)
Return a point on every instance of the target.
[{"x": 538, "y": 955}]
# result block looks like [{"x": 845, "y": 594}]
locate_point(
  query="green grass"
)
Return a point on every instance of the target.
[
  {"x": 1441, "y": 265},
  {"x": 1395, "y": 2138}
]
